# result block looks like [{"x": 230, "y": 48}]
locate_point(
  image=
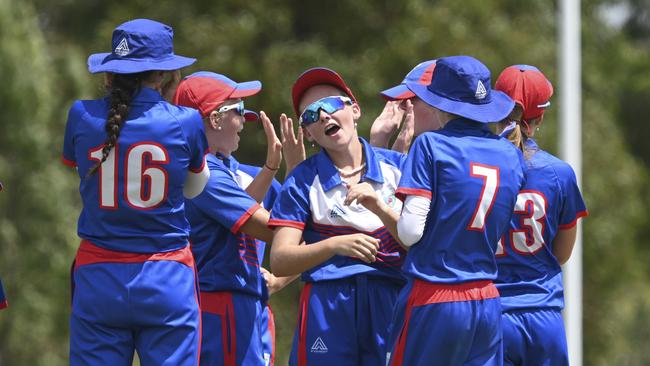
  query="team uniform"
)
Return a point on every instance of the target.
[
  {"x": 133, "y": 278},
  {"x": 530, "y": 278},
  {"x": 244, "y": 174},
  {"x": 228, "y": 262},
  {"x": 346, "y": 304},
  {"x": 3, "y": 300},
  {"x": 449, "y": 314}
]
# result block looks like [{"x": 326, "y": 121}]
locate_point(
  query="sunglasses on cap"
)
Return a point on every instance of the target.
[
  {"x": 238, "y": 107},
  {"x": 329, "y": 105}
]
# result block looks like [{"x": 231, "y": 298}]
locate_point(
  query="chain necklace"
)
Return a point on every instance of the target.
[{"x": 347, "y": 173}]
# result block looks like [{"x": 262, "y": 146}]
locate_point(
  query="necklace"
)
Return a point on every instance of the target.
[{"x": 350, "y": 172}]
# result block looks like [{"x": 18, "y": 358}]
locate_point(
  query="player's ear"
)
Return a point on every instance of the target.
[
  {"x": 356, "y": 111},
  {"x": 213, "y": 119}
]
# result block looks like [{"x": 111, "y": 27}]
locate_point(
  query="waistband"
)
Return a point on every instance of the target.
[
  {"x": 424, "y": 292},
  {"x": 89, "y": 253}
]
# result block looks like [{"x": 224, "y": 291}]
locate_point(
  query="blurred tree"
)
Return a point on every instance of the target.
[{"x": 372, "y": 44}]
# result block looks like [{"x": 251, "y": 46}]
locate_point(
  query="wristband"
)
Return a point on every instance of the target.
[{"x": 271, "y": 169}]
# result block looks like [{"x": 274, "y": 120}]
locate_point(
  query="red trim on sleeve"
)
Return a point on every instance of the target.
[
  {"x": 88, "y": 253},
  {"x": 273, "y": 223},
  {"x": 401, "y": 193},
  {"x": 4, "y": 305},
  {"x": 242, "y": 220},
  {"x": 575, "y": 221},
  {"x": 200, "y": 169},
  {"x": 67, "y": 162}
]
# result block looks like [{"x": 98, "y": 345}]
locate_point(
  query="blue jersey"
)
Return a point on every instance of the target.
[
  {"x": 312, "y": 199},
  {"x": 472, "y": 177},
  {"x": 529, "y": 274},
  {"x": 244, "y": 175},
  {"x": 226, "y": 258},
  {"x": 134, "y": 202}
]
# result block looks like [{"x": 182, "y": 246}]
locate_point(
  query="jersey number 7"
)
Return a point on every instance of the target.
[
  {"x": 138, "y": 176},
  {"x": 490, "y": 176}
]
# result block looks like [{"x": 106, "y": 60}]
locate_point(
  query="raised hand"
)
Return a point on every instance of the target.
[
  {"x": 273, "y": 144},
  {"x": 386, "y": 124},
  {"x": 169, "y": 87},
  {"x": 405, "y": 137},
  {"x": 292, "y": 144}
]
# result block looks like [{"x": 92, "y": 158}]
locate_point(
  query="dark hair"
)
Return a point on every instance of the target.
[{"x": 121, "y": 91}]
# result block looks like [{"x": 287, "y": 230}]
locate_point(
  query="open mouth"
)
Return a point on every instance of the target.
[{"x": 332, "y": 129}]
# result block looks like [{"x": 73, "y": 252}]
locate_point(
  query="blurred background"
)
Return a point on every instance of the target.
[{"x": 372, "y": 44}]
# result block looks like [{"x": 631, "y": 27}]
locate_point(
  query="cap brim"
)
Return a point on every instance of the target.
[
  {"x": 250, "y": 116},
  {"x": 107, "y": 62},
  {"x": 399, "y": 92},
  {"x": 496, "y": 110},
  {"x": 317, "y": 76},
  {"x": 246, "y": 89}
]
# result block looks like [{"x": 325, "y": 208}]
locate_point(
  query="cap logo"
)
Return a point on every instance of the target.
[
  {"x": 122, "y": 49},
  {"x": 481, "y": 93}
]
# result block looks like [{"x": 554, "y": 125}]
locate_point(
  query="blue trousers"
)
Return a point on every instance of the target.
[
  {"x": 534, "y": 337},
  {"x": 344, "y": 322}
]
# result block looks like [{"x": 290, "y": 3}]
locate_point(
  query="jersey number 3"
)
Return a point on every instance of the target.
[
  {"x": 145, "y": 180},
  {"x": 528, "y": 238},
  {"x": 490, "y": 176}
]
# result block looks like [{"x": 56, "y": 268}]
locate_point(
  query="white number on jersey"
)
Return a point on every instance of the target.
[
  {"x": 139, "y": 176},
  {"x": 529, "y": 238},
  {"x": 490, "y": 176}
]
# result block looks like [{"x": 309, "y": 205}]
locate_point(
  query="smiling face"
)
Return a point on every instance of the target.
[
  {"x": 332, "y": 131},
  {"x": 222, "y": 129}
]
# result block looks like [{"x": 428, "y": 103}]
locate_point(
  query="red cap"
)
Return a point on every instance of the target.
[
  {"x": 207, "y": 90},
  {"x": 317, "y": 76},
  {"x": 528, "y": 87}
]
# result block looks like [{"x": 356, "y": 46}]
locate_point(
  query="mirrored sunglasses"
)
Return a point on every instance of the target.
[{"x": 328, "y": 105}]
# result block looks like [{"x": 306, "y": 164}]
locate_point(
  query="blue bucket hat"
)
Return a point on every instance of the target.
[
  {"x": 461, "y": 85},
  {"x": 139, "y": 45}
]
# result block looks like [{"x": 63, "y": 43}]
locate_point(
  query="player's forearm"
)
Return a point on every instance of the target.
[
  {"x": 389, "y": 218},
  {"x": 261, "y": 184},
  {"x": 290, "y": 259},
  {"x": 257, "y": 226}
]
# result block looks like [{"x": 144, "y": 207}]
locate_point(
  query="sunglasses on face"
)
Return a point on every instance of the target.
[
  {"x": 329, "y": 105},
  {"x": 238, "y": 107}
]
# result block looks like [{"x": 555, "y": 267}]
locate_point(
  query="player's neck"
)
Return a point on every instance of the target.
[{"x": 349, "y": 158}]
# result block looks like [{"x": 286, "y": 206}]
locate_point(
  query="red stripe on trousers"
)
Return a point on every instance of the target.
[
  {"x": 220, "y": 303},
  {"x": 302, "y": 335},
  {"x": 271, "y": 322}
]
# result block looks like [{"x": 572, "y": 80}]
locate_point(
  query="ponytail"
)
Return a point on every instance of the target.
[{"x": 121, "y": 90}]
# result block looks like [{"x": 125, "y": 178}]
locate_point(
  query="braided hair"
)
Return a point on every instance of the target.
[{"x": 121, "y": 91}]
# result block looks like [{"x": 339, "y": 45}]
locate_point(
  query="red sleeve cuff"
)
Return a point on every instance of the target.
[
  {"x": 575, "y": 221},
  {"x": 67, "y": 162},
  {"x": 200, "y": 169},
  {"x": 242, "y": 220},
  {"x": 273, "y": 223},
  {"x": 4, "y": 305},
  {"x": 401, "y": 193}
]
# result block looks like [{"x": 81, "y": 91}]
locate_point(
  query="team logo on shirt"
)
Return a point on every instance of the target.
[
  {"x": 319, "y": 346},
  {"x": 122, "y": 49},
  {"x": 480, "y": 91},
  {"x": 389, "y": 197},
  {"x": 336, "y": 212}
]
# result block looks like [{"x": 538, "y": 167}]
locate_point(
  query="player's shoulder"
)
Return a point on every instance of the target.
[
  {"x": 92, "y": 107},
  {"x": 250, "y": 170},
  {"x": 217, "y": 166},
  {"x": 305, "y": 172}
]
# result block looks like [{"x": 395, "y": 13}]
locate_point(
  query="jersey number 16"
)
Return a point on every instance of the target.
[{"x": 138, "y": 176}]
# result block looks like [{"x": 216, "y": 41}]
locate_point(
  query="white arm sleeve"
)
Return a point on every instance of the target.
[
  {"x": 410, "y": 226},
  {"x": 195, "y": 182}
]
